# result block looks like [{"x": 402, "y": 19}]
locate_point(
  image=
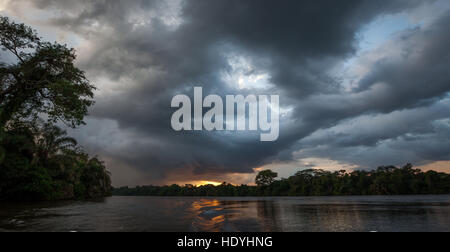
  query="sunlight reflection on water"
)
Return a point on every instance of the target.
[{"x": 377, "y": 213}]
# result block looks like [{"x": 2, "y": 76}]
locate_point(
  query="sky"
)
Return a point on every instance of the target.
[{"x": 362, "y": 83}]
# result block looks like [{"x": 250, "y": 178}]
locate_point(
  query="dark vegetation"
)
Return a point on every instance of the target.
[
  {"x": 388, "y": 180},
  {"x": 39, "y": 88}
]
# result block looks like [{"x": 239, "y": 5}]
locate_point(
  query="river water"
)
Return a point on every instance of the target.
[{"x": 316, "y": 214}]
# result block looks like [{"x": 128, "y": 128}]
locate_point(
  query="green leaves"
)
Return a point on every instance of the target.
[
  {"x": 51, "y": 140},
  {"x": 2, "y": 154},
  {"x": 265, "y": 178},
  {"x": 17, "y": 38},
  {"x": 44, "y": 79},
  {"x": 41, "y": 161},
  {"x": 315, "y": 182},
  {"x": 2, "y": 150}
]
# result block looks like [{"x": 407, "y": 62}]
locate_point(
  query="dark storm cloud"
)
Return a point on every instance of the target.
[
  {"x": 405, "y": 148},
  {"x": 369, "y": 130},
  {"x": 418, "y": 78},
  {"x": 300, "y": 38},
  {"x": 157, "y": 49}
]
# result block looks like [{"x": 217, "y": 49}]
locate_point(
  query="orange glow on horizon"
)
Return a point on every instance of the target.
[
  {"x": 438, "y": 166},
  {"x": 202, "y": 183},
  {"x": 197, "y": 183}
]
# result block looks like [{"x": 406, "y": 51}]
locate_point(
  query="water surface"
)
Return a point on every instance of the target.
[{"x": 317, "y": 214}]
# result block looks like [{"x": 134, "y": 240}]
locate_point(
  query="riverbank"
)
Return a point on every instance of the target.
[{"x": 386, "y": 180}]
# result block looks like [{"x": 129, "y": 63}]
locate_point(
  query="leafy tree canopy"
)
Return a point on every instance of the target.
[
  {"x": 42, "y": 80},
  {"x": 265, "y": 178},
  {"x": 386, "y": 180},
  {"x": 38, "y": 161}
]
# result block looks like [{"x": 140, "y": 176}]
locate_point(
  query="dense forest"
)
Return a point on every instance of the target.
[
  {"x": 40, "y": 88},
  {"x": 388, "y": 180}
]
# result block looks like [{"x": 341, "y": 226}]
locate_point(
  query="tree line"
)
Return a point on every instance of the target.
[
  {"x": 40, "y": 88},
  {"x": 386, "y": 180}
]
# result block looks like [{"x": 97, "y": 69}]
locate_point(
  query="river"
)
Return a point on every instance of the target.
[{"x": 298, "y": 214}]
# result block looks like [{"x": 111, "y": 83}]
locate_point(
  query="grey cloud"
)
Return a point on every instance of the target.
[
  {"x": 369, "y": 130},
  {"x": 294, "y": 42},
  {"x": 417, "y": 148}
]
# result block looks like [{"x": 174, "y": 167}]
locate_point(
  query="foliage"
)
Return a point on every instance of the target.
[
  {"x": 42, "y": 80},
  {"x": 388, "y": 180},
  {"x": 265, "y": 178},
  {"x": 37, "y": 159},
  {"x": 42, "y": 163}
]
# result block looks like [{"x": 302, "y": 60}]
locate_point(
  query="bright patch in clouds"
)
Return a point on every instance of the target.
[{"x": 244, "y": 75}]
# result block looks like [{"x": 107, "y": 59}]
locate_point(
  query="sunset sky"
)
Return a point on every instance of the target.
[{"x": 361, "y": 83}]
